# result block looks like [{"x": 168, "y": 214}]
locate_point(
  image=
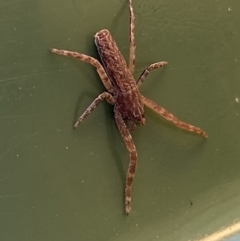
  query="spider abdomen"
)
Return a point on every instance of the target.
[{"x": 113, "y": 62}]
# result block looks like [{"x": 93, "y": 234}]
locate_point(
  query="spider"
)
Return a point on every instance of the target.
[{"x": 123, "y": 93}]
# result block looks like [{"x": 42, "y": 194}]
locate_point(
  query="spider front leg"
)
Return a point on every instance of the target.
[
  {"x": 132, "y": 54},
  {"x": 133, "y": 158},
  {"x": 88, "y": 59},
  {"x": 105, "y": 95},
  {"x": 170, "y": 117},
  {"x": 148, "y": 69}
]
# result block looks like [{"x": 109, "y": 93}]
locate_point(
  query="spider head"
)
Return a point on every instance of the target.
[
  {"x": 131, "y": 108},
  {"x": 141, "y": 121},
  {"x": 139, "y": 117}
]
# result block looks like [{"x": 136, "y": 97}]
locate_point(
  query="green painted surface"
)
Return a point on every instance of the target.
[{"x": 61, "y": 184}]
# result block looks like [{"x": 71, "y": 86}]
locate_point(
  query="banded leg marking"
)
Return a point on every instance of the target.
[
  {"x": 133, "y": 158},
  {"x": 132, "y": 54},
  {"x": 170, "y": 117},
  {"x": 88, "y": 59},
  {"x": 148, "y": 70},
  {"x": 105, "y": 95}
]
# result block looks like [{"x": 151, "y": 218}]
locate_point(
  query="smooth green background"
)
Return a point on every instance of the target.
[{"x": 61, "y": 184}]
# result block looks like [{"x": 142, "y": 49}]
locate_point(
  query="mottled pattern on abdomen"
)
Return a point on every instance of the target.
[{"x": 113, "y": 61}]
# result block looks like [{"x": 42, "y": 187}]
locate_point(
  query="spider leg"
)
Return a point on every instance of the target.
[
  {"x": 88, "y": 59},
  {"x": 148, "y": 69},
  {"x": 170, "y": 117},
  {"x": 105, "y": 95},
  {"x": 132, "y": 54},
  {"x": 133, "y": 158}
]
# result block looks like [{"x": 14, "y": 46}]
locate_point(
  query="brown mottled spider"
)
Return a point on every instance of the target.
[{"x": 123, "y": 93}]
